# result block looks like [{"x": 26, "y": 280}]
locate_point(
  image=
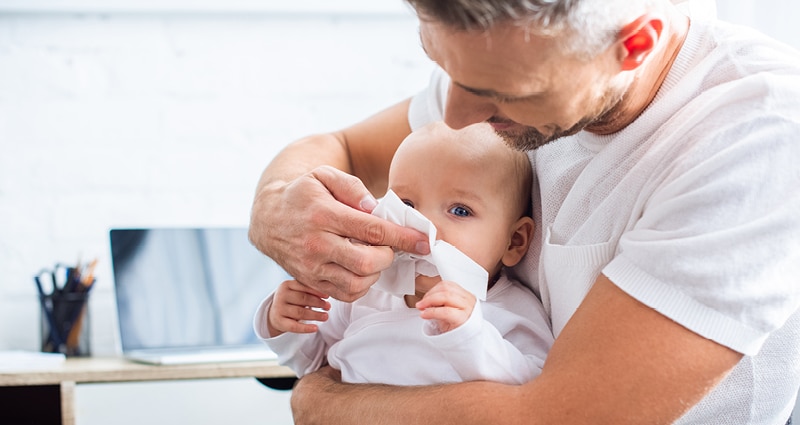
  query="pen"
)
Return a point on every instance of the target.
[
  {"x": 73, "y": 279},
  {"x": 88, "y": 278}
]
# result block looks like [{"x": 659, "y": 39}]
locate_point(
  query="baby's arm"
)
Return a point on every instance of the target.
[
  {"x": 292, "y": 306},
  {"x": 504, "y": 340},
  {"x": 447, "y": 306},
  {"x": 304, "y": 352}
]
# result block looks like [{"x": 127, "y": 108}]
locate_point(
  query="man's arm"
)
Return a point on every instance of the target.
[
  {"x": 308, "y": 207},
  {"x": 617, "y": 361}
]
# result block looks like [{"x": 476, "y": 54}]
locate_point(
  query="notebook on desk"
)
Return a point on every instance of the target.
[{"x": 188, "y": 295}]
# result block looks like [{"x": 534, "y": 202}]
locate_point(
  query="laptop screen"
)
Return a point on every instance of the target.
[{"x": 188, "y": 287}]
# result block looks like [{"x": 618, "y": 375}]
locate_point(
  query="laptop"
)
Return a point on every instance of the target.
[{"x": 188, "y": 295}]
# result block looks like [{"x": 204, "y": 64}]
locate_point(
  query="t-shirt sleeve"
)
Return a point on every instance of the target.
[
  {"x": 717, "y": 247},
  {"x": 428, "y": 105}
]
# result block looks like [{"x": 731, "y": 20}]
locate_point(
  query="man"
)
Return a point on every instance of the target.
[{"x": 666, "y": 188}]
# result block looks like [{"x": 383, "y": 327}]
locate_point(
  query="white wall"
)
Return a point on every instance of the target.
[
  {"x": 168, "y": 118},
  {"x": 165, "y": 117},
  {"x": 772, "y": 17}
]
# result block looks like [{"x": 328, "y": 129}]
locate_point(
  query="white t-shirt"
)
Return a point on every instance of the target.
[
  {"x": 693, "y": 209},
  {"x": 378, "y": 339}
]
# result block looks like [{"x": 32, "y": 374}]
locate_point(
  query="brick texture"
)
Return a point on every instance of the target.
[{"x": 165, "y": 119}]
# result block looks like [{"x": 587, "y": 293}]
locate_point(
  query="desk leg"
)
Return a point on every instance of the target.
[{"x": 68, "y": 403}]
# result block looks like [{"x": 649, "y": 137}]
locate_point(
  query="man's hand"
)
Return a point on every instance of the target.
[
  {"x": 306, "y": 225},
  {"x": 292, "y": 306},
  {"x": 448, "y": 305}
]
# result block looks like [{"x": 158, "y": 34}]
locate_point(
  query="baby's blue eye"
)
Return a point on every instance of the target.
[{"x": 460, "y": 211}]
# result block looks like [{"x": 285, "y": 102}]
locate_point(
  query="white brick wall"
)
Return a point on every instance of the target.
[
  {"x": 168, "y": 119},
  {"x": 165, "y": 119},
  {"x": 157, "y": 118}
]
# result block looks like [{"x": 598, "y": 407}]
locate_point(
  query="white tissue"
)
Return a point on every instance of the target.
[{"x": 445, "y": 260}]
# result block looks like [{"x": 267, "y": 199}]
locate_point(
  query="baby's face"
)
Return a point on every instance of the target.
[{"x": 464, "y": 195}]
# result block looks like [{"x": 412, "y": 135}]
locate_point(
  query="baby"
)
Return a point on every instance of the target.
[{"x": 476, "y": 191}]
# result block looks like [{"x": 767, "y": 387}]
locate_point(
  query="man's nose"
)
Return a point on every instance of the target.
[{"x": 464, "y": 108}]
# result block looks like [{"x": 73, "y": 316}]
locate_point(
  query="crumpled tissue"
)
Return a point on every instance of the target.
[{"x": 445, "y": 260}]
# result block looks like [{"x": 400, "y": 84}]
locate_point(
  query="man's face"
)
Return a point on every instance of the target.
[{"x": 522, "y": 84}]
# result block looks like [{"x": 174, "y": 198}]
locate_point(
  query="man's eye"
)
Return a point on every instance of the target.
[
  {"x": 501, "y": 99},
  {"x": 409, "y": 203},
  {"x": 460, "y": 211}
]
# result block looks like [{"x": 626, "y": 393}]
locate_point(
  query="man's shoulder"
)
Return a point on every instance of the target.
[{"x": 734, "y": 52}]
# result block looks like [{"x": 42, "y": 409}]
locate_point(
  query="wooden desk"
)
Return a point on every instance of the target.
[{"x": 47, "y": 396}]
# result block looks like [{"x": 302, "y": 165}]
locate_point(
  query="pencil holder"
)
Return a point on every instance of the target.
[{"x": 65, "y": 323}]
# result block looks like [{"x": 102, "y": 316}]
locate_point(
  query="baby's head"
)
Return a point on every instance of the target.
[{"x": 474, "y": 188}]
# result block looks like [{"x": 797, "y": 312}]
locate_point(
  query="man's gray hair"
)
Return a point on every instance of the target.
[{"x": 584, "y": 27}]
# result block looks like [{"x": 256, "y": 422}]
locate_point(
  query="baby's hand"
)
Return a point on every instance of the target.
[
  {"x": 448, "y": 305},
  {"x": 292, "y": 305}
]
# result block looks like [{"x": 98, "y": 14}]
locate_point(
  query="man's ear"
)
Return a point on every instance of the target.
[
  {"x": 637, "y": 39},
  {"x": 521, "y": 236}
]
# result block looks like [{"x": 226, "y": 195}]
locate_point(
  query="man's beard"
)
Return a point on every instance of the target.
[{"x": 529, "y": 138}]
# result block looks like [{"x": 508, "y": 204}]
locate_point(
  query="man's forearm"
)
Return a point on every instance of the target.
[
  {"x": 364, "y": 150},
  {"x": 328, "y": 401},
  {"x": 303, "y": 156},
  {"x": 617, "y": 361}
]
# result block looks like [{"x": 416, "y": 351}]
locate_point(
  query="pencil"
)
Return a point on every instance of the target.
[
  {"x": 73, "y": 339},
  {"x": 88, "y": 277}
]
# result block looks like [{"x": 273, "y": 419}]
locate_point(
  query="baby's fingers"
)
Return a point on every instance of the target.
[
  {"x": 299, "y": 294},
  {"x": 445, "y": 318},
  {"x": 305, "y": 300},
  {"x": 447, "y": 294},
  {"x": 296, "y": 327},
  {"x": 295, "y": 319}
]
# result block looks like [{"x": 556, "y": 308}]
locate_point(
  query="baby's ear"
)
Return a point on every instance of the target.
[{"x": 522, "y": 233}]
